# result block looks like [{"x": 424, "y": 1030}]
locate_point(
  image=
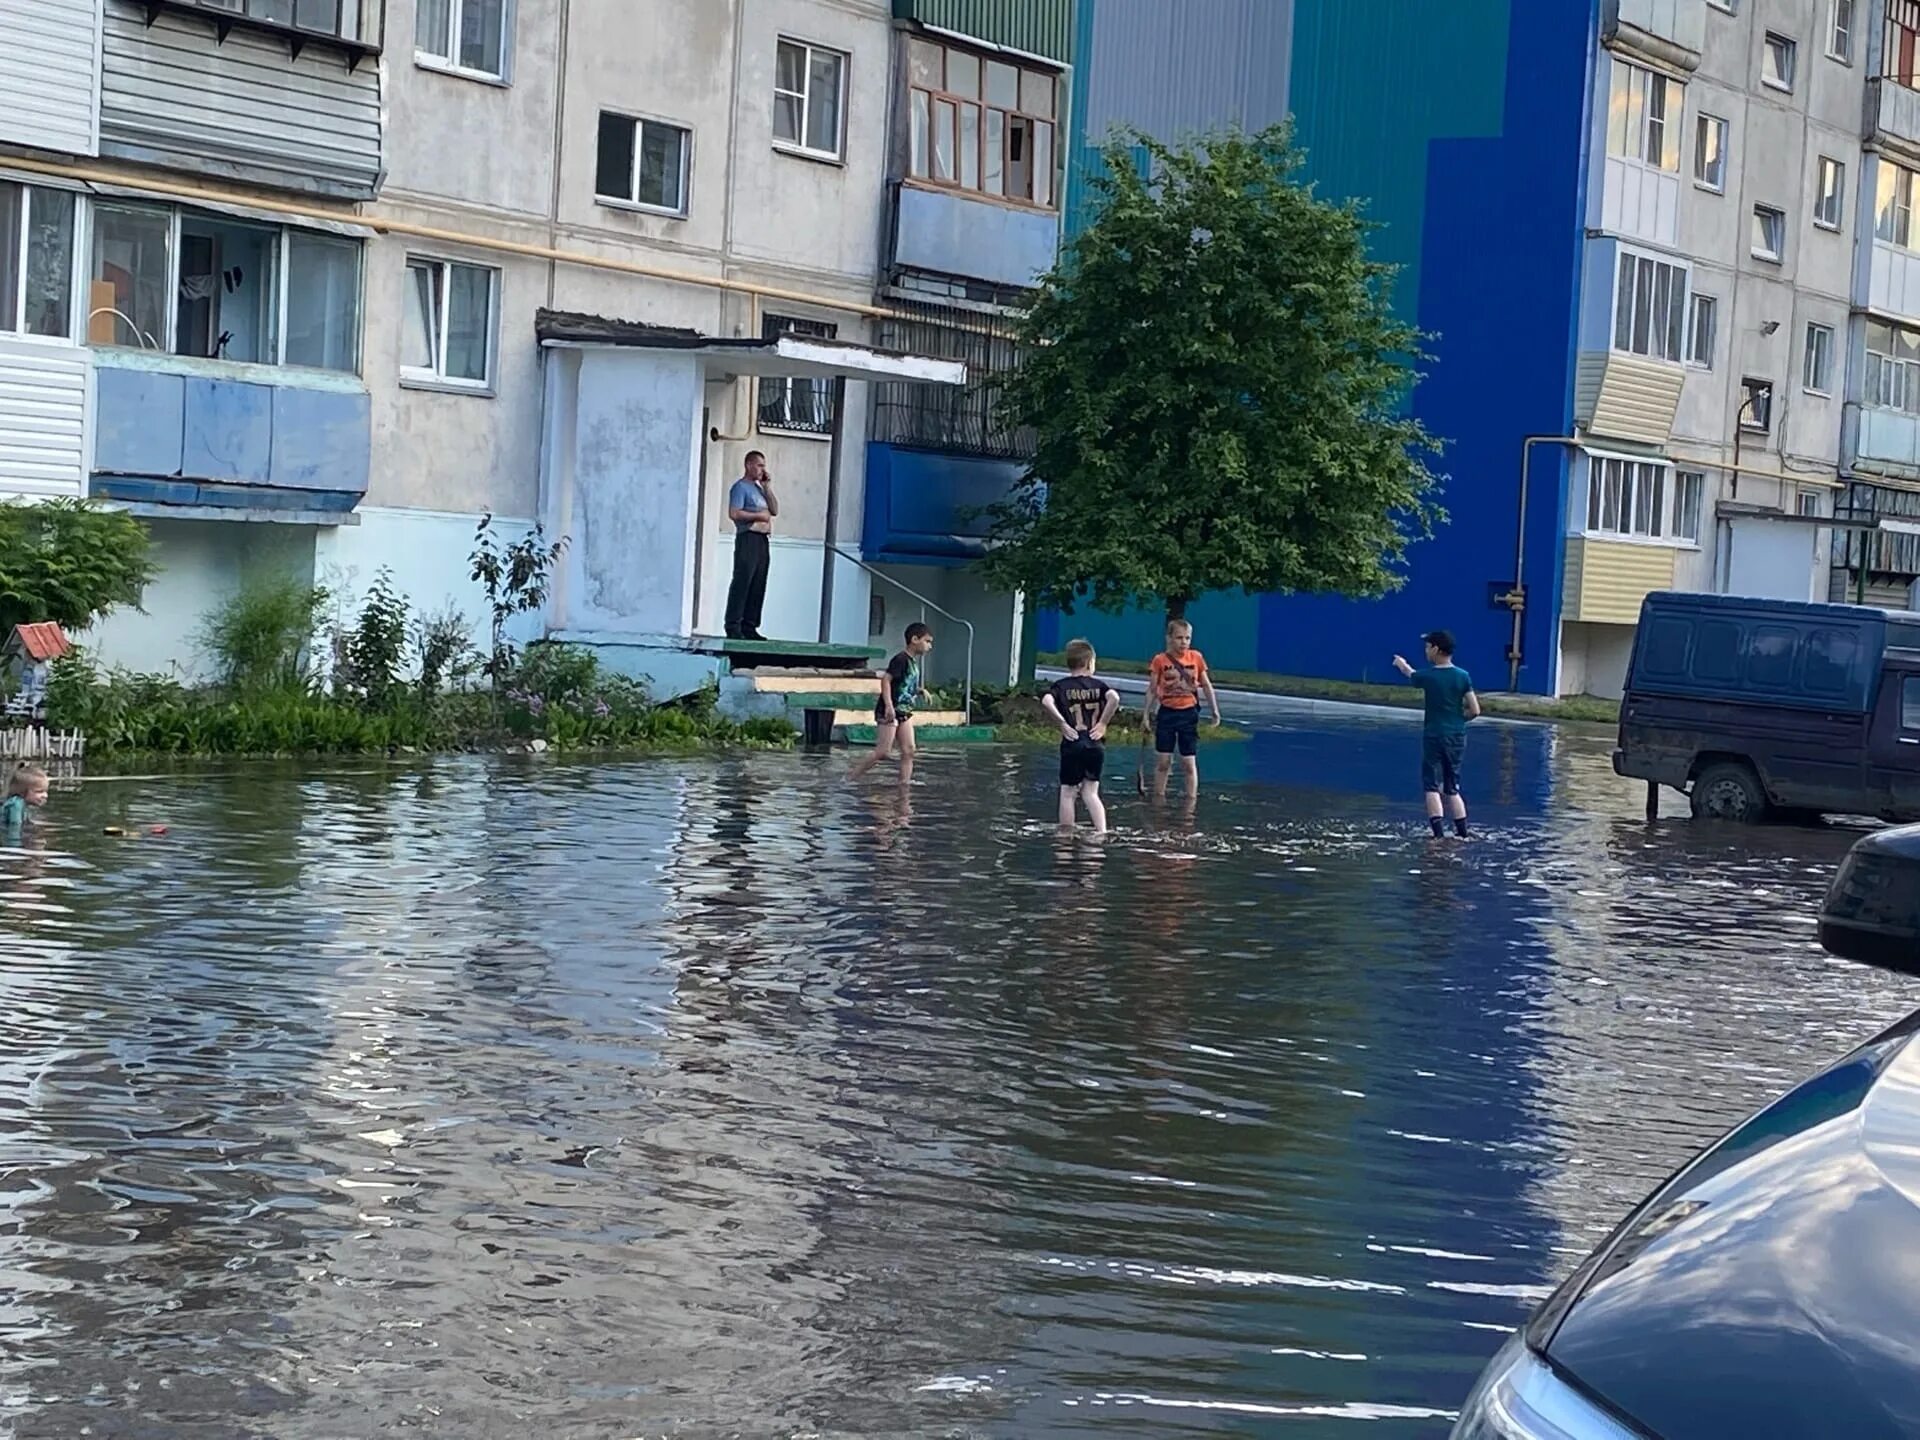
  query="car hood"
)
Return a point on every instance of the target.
[{"x": 1773, "y": 1286}]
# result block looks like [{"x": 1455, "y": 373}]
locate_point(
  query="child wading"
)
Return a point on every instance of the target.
[
  {"x": 26, "y": 786},
  {"x": 1082, "y": 705},
  {"x": 900, "y": 690},
  {"x": 1177, "y": 679},
  {"x": 1451, "y": 703}
]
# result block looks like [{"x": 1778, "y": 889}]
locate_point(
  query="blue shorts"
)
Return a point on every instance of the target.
[
  {"x": 1440, "y": 757},
  {"x": 1177, "y": 730}
]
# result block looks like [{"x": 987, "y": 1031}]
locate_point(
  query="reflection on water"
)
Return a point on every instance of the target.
[{"x": 712, "y": 1097}]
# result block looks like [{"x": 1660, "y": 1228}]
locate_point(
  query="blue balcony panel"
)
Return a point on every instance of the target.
[
  {"x": 953, "y": 234},
  {"x": 921, "y": 504}
]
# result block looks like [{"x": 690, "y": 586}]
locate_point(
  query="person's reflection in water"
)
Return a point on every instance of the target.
[{"x": 892, "y": 814}]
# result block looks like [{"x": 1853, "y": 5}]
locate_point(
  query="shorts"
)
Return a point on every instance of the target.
[
  {"x": 1081, "y": 762},
  {"x": 900, "y": 713},
  {"x": 1177, "y": 730},
  {"x": 1440, "y": 757}
]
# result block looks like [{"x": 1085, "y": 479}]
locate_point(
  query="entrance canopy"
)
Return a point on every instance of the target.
[{"x": 796, "y": 356}]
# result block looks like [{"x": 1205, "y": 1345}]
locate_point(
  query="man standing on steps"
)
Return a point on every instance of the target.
[{"x": 751, "y": 505}]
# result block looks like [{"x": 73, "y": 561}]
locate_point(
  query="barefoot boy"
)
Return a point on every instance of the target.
[
  {"x": 1177, "y": 679},
  {"x": 900, "y": 689},
  {"x": 1451, "y": 703},
  {"x": 1082, "y": 705}
]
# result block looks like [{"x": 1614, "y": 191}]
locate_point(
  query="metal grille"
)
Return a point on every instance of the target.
[
  {"x": 805, "y": 405},
  {"x": 961, "y": 419},
  {"x": 1888, "y": 558}
]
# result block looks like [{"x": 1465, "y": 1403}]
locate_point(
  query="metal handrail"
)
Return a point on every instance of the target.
[{"x": 926, "y": 604}]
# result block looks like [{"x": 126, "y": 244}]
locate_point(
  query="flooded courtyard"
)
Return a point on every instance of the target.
[{"x": 710, "y": 1097}]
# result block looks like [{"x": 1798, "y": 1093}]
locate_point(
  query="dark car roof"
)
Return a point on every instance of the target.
[{"x": 1773, "y": 1286}]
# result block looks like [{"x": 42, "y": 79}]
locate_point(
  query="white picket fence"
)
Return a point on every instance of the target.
[{"x": 36, "y": 742}]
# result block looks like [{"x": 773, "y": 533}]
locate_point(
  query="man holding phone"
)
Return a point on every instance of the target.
[{"x": 751, "y": 505}]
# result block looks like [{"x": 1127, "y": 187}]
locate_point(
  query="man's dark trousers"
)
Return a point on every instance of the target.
[{"x": 749, "y": 589}]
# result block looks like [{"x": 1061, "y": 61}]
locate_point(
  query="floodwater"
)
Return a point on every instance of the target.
[{"x": 710, "y": 1098}]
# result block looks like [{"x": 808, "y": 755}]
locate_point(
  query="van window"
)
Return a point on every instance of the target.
[
  {"x": 1664, "y": 651},
  {"x": 1716, "y": 651},
  {"x": 1770, "y": 657},
  {"x": 1910, "y": 703},
  {"x": 1832, "y": 657}
]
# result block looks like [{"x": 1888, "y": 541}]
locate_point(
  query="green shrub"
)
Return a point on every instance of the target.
[
  {"x": 260, "y": 636},
  {"x": 69, "y": 561},
  {"x": 374, "y": 652}
]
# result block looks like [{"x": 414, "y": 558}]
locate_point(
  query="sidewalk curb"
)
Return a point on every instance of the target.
[{"x": 1305, "y": 705}]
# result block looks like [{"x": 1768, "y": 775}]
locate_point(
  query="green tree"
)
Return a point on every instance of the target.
[
  {"x": 1218, "y": 385},
  {"x": 68, "y": 561}
]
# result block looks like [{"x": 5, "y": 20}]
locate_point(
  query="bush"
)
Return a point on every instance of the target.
[
  {"x": 69, "y": 561},
  {"x": 374, "y": 653},
  {"x": 444, "y": 645},
  {"x": 261, "y": 635}
]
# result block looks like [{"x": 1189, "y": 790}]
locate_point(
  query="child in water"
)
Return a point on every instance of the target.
[{"x": 26, "y": 787}]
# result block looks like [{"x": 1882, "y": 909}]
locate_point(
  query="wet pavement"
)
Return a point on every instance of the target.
[{"x": 707, "y": 1097}]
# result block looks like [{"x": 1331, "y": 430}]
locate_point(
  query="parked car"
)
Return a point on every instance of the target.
[
  {"x": 1772, "y": 1286},
  {"x": 1757, "y": 707}
]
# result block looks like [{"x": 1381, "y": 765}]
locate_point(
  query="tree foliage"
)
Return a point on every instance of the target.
[
  {"x": 68, "y": 561},
  {"x": 1218, "y": 386}
]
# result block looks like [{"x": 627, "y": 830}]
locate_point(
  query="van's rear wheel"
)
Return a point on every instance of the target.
[{"x": 1729, "y": 791}]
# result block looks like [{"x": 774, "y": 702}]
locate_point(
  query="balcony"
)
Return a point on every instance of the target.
[
  {"x": 1627, "y": 397},
  {"x": 209, "y": 89},
  {"x": 43, "y": 418},
  {"x": 1885, "y": 442},
  {"x": 1668, "y": 33},
  {"x": 950, "y": 232},
  {"x": 923, "y": 506},
  {"x": 224, "y": 439},
  {"x": 1607, "y": 579},
  {"x": 1893, "y": 282},
  {"x": 1893, "y": 117}
]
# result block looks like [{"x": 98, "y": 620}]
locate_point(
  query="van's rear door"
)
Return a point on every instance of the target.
[{"x": 1893, "y": 750}]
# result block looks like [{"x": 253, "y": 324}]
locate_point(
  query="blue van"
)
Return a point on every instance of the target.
[{"x": 1760, "y": 707}]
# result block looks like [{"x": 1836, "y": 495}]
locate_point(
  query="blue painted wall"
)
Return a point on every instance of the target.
[
  {"x": 918, "y": 504},
  {"x": 948, "y": 233},
  {"x": 1466, "y": 141}
]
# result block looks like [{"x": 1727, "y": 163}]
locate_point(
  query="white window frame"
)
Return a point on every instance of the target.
[
  {"x": 1816, "y": 364},
  {"x": 449, "y": 64},
  {"x": 412, "y": 377},
  {"x": 1777, "y": 256},
  {"x": 1640, "y": 503},
  {"x": 1789, "y": 50},
  {"x": 79, "y": 270},
  {"x": 1726, "y": 7},
  {"x": 639, "y": 123},
  {"x": 1626, "y": 291},
  {"x": 1703, "y": 123},
  {"x": 1747, "y": 415},
  {"x": 1889, "y": 382},
  {"x": 1673, "y": 112},
  {"x": 1695, "y": 300},
  {"x": 1904, "y": 182},
  {"x": 805, "y": 327},
  {"x": 1683, "y": 482},
  {"x": 799, "y": 147},
  {"x": 1837, "y": 170},
  {"x": 1809, "y": 503},
  {"x": 1840, "y": 31}
]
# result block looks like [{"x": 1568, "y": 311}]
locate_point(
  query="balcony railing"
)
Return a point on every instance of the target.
[{"x": 965, "y": 420}]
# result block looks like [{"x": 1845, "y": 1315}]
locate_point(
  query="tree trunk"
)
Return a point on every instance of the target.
[{"x": 1176, "y": 608}]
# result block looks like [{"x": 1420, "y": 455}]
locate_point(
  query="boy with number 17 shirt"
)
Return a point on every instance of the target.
[{"x": 1082, "y": 705}]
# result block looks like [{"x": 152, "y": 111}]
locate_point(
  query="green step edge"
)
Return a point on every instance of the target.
[
  {"x": 828, "y": 699},
  {"x": 961, "y": 734}
]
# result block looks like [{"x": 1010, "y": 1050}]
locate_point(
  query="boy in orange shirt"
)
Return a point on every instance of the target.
[{"x": 1176, "y": 680}]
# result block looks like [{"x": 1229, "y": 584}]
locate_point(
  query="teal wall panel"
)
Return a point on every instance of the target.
[{"x": 1040, "y": 27}]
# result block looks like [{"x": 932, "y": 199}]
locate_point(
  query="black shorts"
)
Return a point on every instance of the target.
[
  {"x": 900, "y": 714},
  {"x": 1081, "y": 762},
  {"x": 1177, "y": 730},
  {"x": 1440, "y": 757}
]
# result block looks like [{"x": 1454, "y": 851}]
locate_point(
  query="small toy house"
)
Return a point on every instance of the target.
[{"x": 27, "y": 659}]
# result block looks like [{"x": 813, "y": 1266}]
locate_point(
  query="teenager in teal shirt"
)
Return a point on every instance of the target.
[{"x": 1451, "y": 703}]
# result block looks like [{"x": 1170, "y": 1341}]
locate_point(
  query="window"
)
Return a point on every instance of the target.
[
  {"x": 189, "y": 283},
  {"x": 1769, "y": 233},
  {"x": 1832, "y": 656},
  {"x": 1700, "y": 331},
  {"x": 982, "y": 124},
  {"x": 1710, "y": 153},
  {"x": 36, "y": 260},
  {"x": 1643, "y": 117},
  {"x": 325, "y": 17},
  {"x": 808, "y": 86},
  {"x": 1900, "y": 58},
  {"x": 1689, "y": 491},
  {"x": 1831, "y": 198},
  {"x": 1625, "y": 497},
  {"x": 1756, "y": 404},
  {"x": 1892, "y": 379},
  {"x": 1776, "y": 67},
  {"x": 1840, "y": 31},
  {"x": 469, "y": 36},
  {"x": 1716, "y": 650},
  {"x": 1730, "y": 7},
  {"x": 1910, "y": 703},
  {"x": 642, "y": 163},
  {"x": 1817, "y": 367},
  {"x": 1649, "y": 307},
  {"x": 448, "y": 333},
  {"x": 1893, "y": 204},
  {"x": 1808, "y": 502},
  {"x": 802, "y": 405}
]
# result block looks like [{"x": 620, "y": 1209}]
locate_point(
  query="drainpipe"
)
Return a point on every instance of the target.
[
  {"x": 1516, "y": 599},
  {"x": 834, "y": 434}
]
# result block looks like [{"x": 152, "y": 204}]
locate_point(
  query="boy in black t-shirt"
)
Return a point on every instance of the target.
[
  {"x": 901, "y": 686},
  {"x": 1082, "y": 705}
]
